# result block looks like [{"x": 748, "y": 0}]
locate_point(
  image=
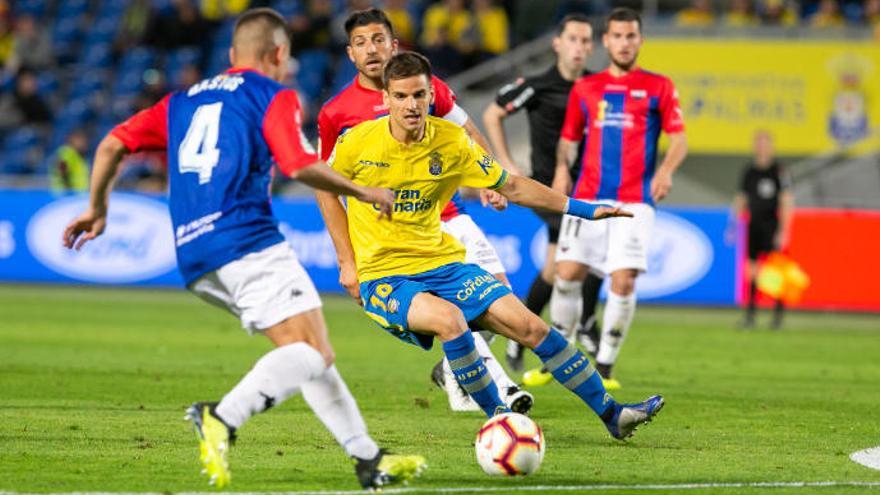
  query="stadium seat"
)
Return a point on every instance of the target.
[
  {"x": 313, "y": 66},
  {"x": 47, "y": 83},
  {"x": 343, "y": 73},
  {"x": 21, "y": 151},
  {"x": 288, "y": 8},
  {"x": 36, "y": 8},
  {"x": 96, "y": 55}
]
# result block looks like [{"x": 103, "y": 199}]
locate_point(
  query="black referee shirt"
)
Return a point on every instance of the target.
[
  {"x": 545, "y": 97},
  {"x": 762, "y": 188}
]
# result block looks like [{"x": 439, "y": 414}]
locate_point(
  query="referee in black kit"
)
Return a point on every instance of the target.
[
  {"x": 765, "y": 192},
  {"x": 545, "y": 97}
]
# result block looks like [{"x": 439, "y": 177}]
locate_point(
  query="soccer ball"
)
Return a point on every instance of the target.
[{"x": 510, "y": 444}]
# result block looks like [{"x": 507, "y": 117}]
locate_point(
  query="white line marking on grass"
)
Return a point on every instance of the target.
[
  {"x": 868, "y": 457},
  {"x": 527, "y": 488}
]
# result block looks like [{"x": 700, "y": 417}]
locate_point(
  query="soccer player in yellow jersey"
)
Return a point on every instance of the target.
[{"x": 413, "y": 281}]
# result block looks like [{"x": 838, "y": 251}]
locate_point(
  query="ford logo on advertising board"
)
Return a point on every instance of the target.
[
  {"x": 679, "y": 255},
  {"x": 138, "y": 243}
]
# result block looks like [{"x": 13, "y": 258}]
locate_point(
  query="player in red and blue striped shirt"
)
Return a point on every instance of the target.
[{"x": 620, "y": 113}]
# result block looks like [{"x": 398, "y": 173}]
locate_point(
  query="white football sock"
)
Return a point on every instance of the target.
[
  {"x": 619, "y": 312},
  {"x": 495, "y": 370},
  {"x": 330, "y": 400},
  {"x": 566, "y": 304},
  {"x": 274, "y": 378}
]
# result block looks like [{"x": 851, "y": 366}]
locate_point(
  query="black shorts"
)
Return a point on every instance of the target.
[
  {"x": 554, "y": 222},
  {"x": 761, "y": 236}
]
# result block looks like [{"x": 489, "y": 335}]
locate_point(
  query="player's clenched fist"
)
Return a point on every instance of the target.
[{"x": 381, "y": 198}]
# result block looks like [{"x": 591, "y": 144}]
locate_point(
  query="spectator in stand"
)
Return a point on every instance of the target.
[
  {"x": 827, "y": 15},
  {"x": 7, "y": 41},
  {"x": 404, "y": 24},
  {"x": 778, "y": 13},
  {"x": 68, "y": 169},
  {"x": 182, "y": 26},
  {"x": 217, "y": 10},
  {"x": 871, "y": 13},
  {"x": 494, "y": 28},
  {"x": 32, "y": 47},
  {"x": 311, "y": 29},
  {"x": 698, "y": 15},
  {"x": 448, "y": 22},
  {"x": 740, "y": 14},
  {"x": 24, "y": 106},
  {"x": 136, "y": 23}
]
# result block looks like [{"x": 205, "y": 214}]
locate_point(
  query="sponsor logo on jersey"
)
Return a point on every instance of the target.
[
  {"x": 137, "y": 245},
  {"x": 371, "y": 163},
  {"x": 435, "y": 163},
  {"x": 480, "y": 286},
  {"x": 409, "y": 201},
  {"x": 638, "y": 93},
  {"x": 608, "y": 117}
]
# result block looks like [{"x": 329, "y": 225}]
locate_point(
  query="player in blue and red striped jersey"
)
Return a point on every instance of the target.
[
  {"x": 371, "y": 46},
  {"x": 622, "y": 111},
  {"x": 223, "y": 136}
]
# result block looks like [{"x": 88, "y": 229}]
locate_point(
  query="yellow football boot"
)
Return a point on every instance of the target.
[
  {"x": 537, "y": 377},
  {"x": 388, "y": 469},
  {"x": 215, "y": 439}
]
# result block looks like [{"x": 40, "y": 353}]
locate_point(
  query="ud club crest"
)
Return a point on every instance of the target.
[{"x": 435, "y": 164}]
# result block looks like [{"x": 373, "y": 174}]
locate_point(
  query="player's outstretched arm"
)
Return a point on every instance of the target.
[
  {"x": 532, "y": 194},
  {"x": 91, "y": 223},
  {"x": 337, "y": 225},
  {"x": 320, "y": 176}
]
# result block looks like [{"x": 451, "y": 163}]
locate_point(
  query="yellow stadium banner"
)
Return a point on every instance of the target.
[{"x": 814, "y": 96}]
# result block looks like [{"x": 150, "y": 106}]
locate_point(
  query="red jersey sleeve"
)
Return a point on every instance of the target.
[
  {"x": 575, "y": 118},
  {"x": 670, "y": 111},
  {"x": 444, "y": 98},
  {"x": 145, "y": 130},
  {"x": 283, "y": 133},
  {"x": 327, "y": 134}
]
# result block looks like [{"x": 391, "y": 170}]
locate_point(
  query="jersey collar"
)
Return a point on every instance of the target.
[{"x": 239, "y": 70}]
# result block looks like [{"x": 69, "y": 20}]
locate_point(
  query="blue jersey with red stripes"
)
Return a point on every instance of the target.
[
  {"x": 222, "y": 136},
  {"x": 356, "y": 104},
  {"x": 622, "y": 118}
]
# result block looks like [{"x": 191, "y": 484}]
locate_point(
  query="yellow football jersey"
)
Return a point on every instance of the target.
[{"x": 424, "y": 176}]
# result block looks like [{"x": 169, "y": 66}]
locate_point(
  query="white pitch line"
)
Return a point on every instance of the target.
[{"x": 527, "y": 488}]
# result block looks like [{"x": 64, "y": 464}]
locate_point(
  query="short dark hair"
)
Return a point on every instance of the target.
[
  {"x": 406, "y": 64},
  {"x": 576, "y": 17},
  {"x": 365, "y": 18},
  {"x": 270, "y": 19},
  {"x": 623, "y": 14}
]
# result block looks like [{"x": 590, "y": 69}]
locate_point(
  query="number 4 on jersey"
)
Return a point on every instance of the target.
[{"x": 198, "y": 152}]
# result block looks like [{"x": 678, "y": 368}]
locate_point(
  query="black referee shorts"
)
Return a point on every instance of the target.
[{"x": 761, "y": 236}]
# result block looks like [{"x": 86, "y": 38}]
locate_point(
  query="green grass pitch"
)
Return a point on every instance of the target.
[{"x": 94, "y": 383}]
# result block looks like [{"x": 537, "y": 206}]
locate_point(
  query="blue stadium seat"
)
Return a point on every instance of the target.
[
  {"x": 97, "y": 55},
  {"x": 128, "y": 82},
  {"x": 288, "y": 8},
  {"x": 103, "y": 31},
  {"x": 218, "y": 60},
  {"x": 343, "y": 73},
  {"x": 21, "y": 151},
  {"x": 47, "y": 83},
  {"x": 180, "y": 57},
  {"x": 139, "y": 58},
  {"x": 36, "y": 8},
  {"x": 313, "y": 66},
  {"x": 73, "y": 8}
]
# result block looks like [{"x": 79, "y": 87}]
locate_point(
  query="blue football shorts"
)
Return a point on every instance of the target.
[{"x": 386, "y": 300}]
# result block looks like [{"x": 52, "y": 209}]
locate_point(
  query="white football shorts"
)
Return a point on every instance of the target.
[
  {"x": 478, "y": 249},
  {"x": 608, "y": 245},
  {"x": 262, "y": 289}
]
